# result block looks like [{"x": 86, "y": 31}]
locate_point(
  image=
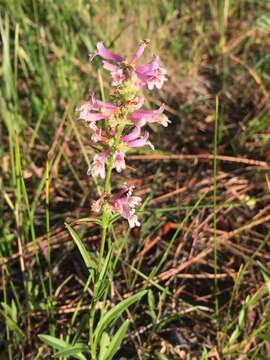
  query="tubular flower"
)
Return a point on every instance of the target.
[
  {"x": 124, "y": 204},
  {"x": 139, "y": 51},
  {"x": 98, "y": 167},
  {"x": 151, "y": 74},
  {"x": 105, "y": 53},
  {"x": 95, "y": 110},
  {"x": 134, "y": 140},
  {"x": 142, "y": 117},
  {"x": 119, "y": 161}
]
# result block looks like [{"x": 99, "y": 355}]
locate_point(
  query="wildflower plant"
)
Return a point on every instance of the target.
[{"x": 116, "y": 127}]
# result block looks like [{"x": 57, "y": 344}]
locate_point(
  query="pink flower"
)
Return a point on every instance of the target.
[
  {"x": 119, "y": 161},
  {"x": 139, "y": 51},
  {"x": 97, "y": 135},
  {"x": 95, "y": 110},
  {"x": 144, "y": 116},
  {"x": 124, "y": 204},
  {"x": 116, "y": 72},
  {"x": 133, "y": 139},
  {"x": 151, "y": 74},
  {"x": 105, "y": 53},
  {"x": 98, "y": 167}
]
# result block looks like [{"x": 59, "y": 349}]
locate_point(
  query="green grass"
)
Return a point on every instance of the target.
[{"x": 212, "y": 50}]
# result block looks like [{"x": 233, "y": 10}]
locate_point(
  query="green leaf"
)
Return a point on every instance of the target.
[
  {"x": 263, "y": 22},
  {"x": 53, "y": 341},
  {"x": 112, "y": 315},
  {"x": 82, "y": 326},
  {"x": 88, "y": 219},
  {"x": 14, "y": 310},
  {"x": 161, "y": 356},
  {"x": 151, "y": 303},
  {"x": 116, "y": 341},
  {"x": 8, "y": 313},
  {"x": 265, "y": 337},
  {"x": 236, "y": 333},
  {"x": 73, "y": 350},
  {"x": 104, "y": 344},
  {"x": 61, "y": 345},
  {"x": 85, "y": 255},
  {"x": 100, "y": 284}
]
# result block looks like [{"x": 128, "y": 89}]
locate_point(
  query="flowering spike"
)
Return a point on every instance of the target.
[{"x": 114, "y": 138}]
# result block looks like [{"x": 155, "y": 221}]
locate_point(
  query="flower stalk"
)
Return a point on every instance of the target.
[{"x": 124, "y": 120}]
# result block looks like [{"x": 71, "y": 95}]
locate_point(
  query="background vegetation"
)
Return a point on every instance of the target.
[{"x": 203, "y": 246}]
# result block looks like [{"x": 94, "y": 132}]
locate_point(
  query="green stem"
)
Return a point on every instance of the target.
[
  {"x": 105, "y": 215},
  {"x": 103, "y": 239},
  {"x": 91, "y": 343},
  {"x": 107, "y": 186},
  {"x": 105, "y": 219},
  {"x": 107, "y": 190}
]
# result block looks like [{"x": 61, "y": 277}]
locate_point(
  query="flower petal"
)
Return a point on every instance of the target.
[
  {"x": 132, "y": 135},
  {"x": 119, "y": 161},
  {"x": 92, "y": 116},
  {"x": 139, "y": 51},
  {"x": 107, "y": 54},
  {"x": 108, "y": 66},
  {"x": 138, "y": 142}
]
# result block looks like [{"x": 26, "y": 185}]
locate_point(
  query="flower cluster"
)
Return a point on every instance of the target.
[{"x": 117, "y": 126}]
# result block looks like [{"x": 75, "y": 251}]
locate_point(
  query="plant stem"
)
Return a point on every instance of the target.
[
  {"x": 91, "y": 330},
  {"x": 107, "y": 190},
  {"x": 105, "y": 219},
  {"x": 105, "y": 215}
]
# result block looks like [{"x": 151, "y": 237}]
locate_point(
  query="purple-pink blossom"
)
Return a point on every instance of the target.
[
  {"x": 139, "y": 51},
  {"x": 95, "y": 110},
  {"x": 105, "y": 53},
  {"x": 98, "y": 167},
  {"x": 119, "y": 161},
  {"x": 134, "y": 139},
  {"x": 143, "y": 116},
  {"x": 124, "y": 204},
  {"x": 151, "y": 74},
  {"x": 97, "y": 134}
]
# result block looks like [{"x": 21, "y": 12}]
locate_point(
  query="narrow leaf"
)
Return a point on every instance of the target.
[
  {"x": 85, "y": 255},
  {"x": 88, "y": 219},
  {"x": 116, "y": 341},
  {"x": 61, "y": 345},
  {"x": 101, "y": 278},
  {"x": 104, "y": 345},
  {"x": 53, "y": 341},
  {"x": 73, "y": 350},
  {"x": 112, "y": 315}
]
